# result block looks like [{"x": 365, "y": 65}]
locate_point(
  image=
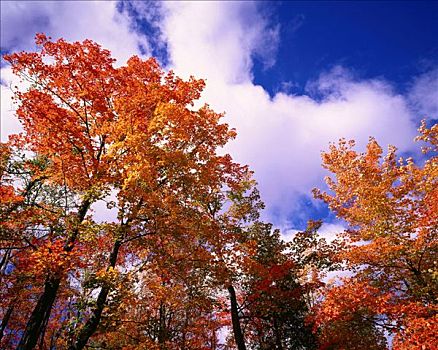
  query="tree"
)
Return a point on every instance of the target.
[
  {"x": 129, "y": 136},
  {"x": 391, "y": 209},
  {"x": 278, "y": 285},
  {"x": 162, "y": 309}
]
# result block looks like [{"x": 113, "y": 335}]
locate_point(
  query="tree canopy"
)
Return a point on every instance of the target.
[
  {"x": 390, "y": 205},
  {"x": 124, "y": 225}
]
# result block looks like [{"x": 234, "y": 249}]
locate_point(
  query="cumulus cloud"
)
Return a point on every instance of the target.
[
  {"x": 328, "y": 231},
  {"x": 9, "y": 123},
  {"x": 279, "y": 136},
  {"x": 424, "y": 94},
  {"x": 218, "y": 40},
  {"x": 71, "y": 20},
  {"x": 19, "y": 20}
]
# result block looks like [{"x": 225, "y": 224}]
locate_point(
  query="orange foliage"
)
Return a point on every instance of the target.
[
  {"x": 128, "y": 136},
  {"x": 391, "y": 207}
]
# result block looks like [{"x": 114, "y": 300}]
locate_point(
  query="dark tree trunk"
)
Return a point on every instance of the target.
[
  {"x": 91, "y": 325},
  {"x": 237, "y": 330},
  {"x": 6, "y": 319},
  {"x": 40, "y": 314},
  {"x": 277, "y": 336},
  {"x": 162, "y": 330},
  {"x": 4, "y": 261},
  {"x": 43, "y": 308}
]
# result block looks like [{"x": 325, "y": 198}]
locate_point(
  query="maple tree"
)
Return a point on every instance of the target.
[
  {"x": 274, "y": 307},
  {"x": 123, "y": 227},
  {"x": 94, "y": 133},
  {"x": 162, "y": 310},
  {"x": 392, "y": 241},
  {"x": 278, "y": 285}
]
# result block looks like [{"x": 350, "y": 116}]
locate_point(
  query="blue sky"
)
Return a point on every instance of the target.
[
  {"x": 393, "y": 40},
  {"x": 291, "y": 76}
]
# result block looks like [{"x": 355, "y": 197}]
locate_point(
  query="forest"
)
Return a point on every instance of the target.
[{"x": 123, "y": 225}]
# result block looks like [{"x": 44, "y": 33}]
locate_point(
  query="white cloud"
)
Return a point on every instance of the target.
[
  {"x": 9, "y": 123},
  {"x": 279, "y": 137},
  {"x": 288, "y": 234},
  {"x": 327, "y": 231},
  {"x": 217, "y": 40},
  {"x": 20, "y": 20},
  {"x": 71, "y": 20},
  {"x": 424, "y": 94},
  {"x": 330, "y": 231}
]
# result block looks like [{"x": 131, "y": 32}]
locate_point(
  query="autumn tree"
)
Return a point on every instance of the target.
[
  {"x": 95, "y": 133},
  {"x": 313, "y": 257},
  {"x": 278, "y": 285},
  {"x": 274, "y": 308},
  {"x": 161, "y": 310},
  {"x": 22, "y": 224},
  {"x": 390, "y": 205}
]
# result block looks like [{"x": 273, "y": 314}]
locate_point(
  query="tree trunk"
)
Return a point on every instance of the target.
[
  {"x": 40, "y": 314},
  {"x": 277, "y": 335},
  {"x": 43, "y": 308},
  {"x": 237, "y": 330},
  {"x": 4, "y": 261},
  {"x": 162, "y": 330},
  {"x": 6, "y": 318},
  {"x": 91, "y": 325}
]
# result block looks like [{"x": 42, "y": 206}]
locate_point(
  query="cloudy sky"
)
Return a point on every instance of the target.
[{"x": 291, "y": 76}]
